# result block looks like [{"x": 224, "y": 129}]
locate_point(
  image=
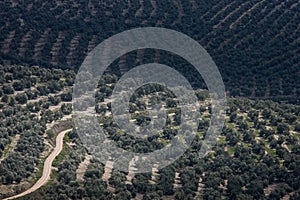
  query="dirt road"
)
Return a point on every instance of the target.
[{"x": 47, "y": 166}]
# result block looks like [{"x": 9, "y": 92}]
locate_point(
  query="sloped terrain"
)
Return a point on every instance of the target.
[
  {"x": 254, "y": 43},
  {"x": 256, "y": 46},
  {"x": 256, "y": 156}
]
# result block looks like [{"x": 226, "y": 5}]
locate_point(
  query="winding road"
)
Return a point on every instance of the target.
[{"x": 47, "y": 166}]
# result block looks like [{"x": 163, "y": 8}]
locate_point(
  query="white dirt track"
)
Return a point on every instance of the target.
[{"x": 47, "y": 166}]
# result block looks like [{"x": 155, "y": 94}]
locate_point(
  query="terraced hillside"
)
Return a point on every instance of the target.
[
  {"x": 256, "y": 156},
  {"x": 254, "y": 43}
]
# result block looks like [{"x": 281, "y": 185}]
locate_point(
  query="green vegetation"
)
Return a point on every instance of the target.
[
  {"x": 27, "y": 119},
  {"x": 258, "y": 148},
  {"x": 255, "y": 43}
]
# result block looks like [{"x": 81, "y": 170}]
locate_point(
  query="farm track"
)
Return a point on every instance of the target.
[{"x": 47, "y": 166}]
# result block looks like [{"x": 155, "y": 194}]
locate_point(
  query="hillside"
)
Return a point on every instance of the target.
[
  {"x": 46, "y": 154},
  {"x": 255, "y": 43},
  {"x": 256, "y": 156}
]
